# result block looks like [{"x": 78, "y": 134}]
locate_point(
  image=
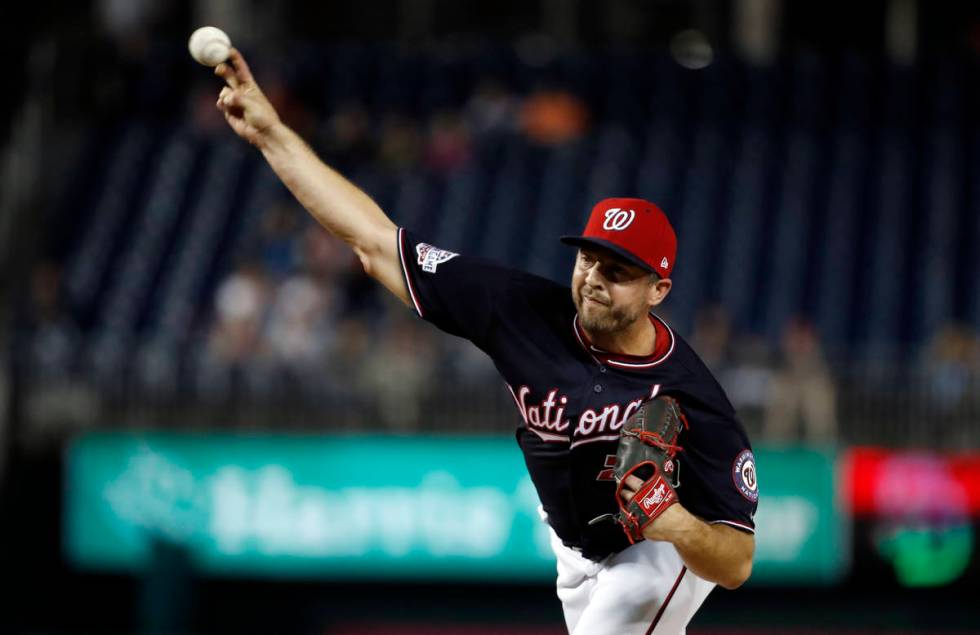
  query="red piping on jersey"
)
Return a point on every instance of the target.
[
  {"x": 408, "y": 278},
  {"x": 662, "y": 349},
  {"x": 670, "y": 595}
]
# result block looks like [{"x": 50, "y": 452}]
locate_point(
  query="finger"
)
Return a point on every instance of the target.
[
  {"x": 230, "y": 99},
  {"x": 242, "y": 71},
  {"x": 234, "y": 122},
  {"x": 633, "y": 482},
  {"x": 224, "y": 98},
  {"x": 227, "y": 73}
]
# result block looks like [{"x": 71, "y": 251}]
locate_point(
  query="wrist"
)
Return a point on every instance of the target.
[
  {"x": 275, "y": 139},
  {"x": 675, "y": 525}
]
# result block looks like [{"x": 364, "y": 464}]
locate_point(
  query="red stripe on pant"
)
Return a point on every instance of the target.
[{"x": 663, "y": 606}]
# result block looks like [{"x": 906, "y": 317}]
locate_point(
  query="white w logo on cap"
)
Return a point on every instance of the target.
[{"x": 618, "y": 219}]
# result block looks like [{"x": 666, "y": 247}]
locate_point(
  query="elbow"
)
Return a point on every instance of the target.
[
  {"x": 369, "y": 252},
  {"x": 375, "y": 247},
  {"x": 737, "y": 576},
  {"x": 368, "y": 259}
]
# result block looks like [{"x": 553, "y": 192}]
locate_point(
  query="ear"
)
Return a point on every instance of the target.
[{"x": 658, "y": 291}]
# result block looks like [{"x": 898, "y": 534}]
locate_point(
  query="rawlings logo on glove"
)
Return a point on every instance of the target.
[{"x": 647, "y": 445}]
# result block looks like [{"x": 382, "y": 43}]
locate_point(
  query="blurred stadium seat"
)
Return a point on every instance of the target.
[{"x": 823, "y": 188}]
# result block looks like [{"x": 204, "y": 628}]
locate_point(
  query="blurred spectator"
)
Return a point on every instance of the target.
[
  {"x": 324, "y": 255},
  {"x": 747, "y": 379},
  {"x": 128, "y": 22},
  {"x": 492, "y": 109},
  {"x": 348, "y": 134},
  {"x": 951, "y": 361},
  {"x": 236, "y": 356},
  {"x": 279, "y": 240},
  {"x": 465, "y": 364},
  {"x": 239, "y": 311},
  {"x": 401, "y": 143},
  {"x": 399, "y": 372},
  {"x": 553, "y": 116},
  {"x": 712, "y": 331},
  {"x": 292, "y": 111},
  {"x": 448, "y": 144},
  {"x": 54, "y": 333},
  {"x": 57, "y": 398},
  {"x": 337, "y": 268},
  {"x": 298, "y": 331},
  {"x": 801, "y": 389},
  {"x": 344, "y": 380}
]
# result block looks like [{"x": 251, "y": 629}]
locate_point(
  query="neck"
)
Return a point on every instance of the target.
[{"x": 639, "y": 338}]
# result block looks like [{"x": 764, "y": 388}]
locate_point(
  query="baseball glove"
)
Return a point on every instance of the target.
[{"x": 647, "y": 445}]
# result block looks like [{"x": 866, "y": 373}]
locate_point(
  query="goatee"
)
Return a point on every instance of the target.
[{"x": 605, "y": 319}]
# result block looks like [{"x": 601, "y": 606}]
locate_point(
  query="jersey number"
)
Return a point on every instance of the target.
[{"x": 608, "y": 474}]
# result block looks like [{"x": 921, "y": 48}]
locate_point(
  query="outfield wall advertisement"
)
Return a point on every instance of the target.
[
  {"x": 377, "y": 508},
  {"x": 918, "y": 510}
]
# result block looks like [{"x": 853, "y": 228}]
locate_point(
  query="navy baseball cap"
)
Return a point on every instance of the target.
[{"x": 635, "y": 229}]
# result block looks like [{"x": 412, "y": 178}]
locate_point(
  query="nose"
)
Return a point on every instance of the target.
[{"x": 592, "y": 277}]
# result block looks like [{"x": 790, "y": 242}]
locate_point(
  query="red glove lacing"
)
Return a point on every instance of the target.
[{"x": 654, "y": 439}]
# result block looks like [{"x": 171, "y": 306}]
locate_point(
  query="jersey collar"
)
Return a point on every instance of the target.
[{"x": 662, "y": 349}]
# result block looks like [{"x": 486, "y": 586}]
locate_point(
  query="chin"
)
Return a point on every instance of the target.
[
  {"x": 596, "y": 324},
  {"x": 595, "y": 318}
]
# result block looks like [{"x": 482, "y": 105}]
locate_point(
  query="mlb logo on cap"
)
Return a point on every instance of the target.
[{"x": 632, "y": 228}]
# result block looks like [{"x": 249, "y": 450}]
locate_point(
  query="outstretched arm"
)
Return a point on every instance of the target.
[{"x": 336, "y": 203}]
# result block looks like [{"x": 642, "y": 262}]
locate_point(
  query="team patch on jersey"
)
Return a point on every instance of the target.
[
  {"x": 744, "y": 475},
  {"x": 431, "y": 257}
]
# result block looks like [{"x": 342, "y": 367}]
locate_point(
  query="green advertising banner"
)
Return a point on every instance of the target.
[
  {"x": 802, "y": 536},
  {"x": 378, "y": 508}
]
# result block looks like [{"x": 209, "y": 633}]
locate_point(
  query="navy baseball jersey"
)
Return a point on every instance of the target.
[{"x": 573, "y": 398}]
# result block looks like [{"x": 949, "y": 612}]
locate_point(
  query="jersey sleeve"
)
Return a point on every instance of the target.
[
  {"x": 459, "y": 294},
  {"x": 720, "y": 484}
]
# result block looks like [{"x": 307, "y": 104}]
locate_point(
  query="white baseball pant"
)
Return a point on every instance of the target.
[{"x": 643, "y": 590}]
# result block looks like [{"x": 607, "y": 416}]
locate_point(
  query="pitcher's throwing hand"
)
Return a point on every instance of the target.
[{"x": 245, "y": 106}]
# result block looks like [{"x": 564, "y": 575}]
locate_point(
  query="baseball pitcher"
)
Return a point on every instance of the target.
[{"x": 646, "y": 479}]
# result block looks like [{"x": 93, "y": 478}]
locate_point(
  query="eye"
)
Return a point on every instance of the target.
[{"x": 614, "y": 273}]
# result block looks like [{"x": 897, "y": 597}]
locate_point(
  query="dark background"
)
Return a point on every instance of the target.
[{"x": 73, "y": 83}]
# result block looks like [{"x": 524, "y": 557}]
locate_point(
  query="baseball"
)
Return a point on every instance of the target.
[{"x": 209, "y": 45}]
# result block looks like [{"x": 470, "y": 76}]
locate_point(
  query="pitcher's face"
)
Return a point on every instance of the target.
[{"x": 610, "y": 293}]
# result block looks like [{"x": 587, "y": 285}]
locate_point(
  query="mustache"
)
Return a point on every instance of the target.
[{"x": 592, "y": 296}]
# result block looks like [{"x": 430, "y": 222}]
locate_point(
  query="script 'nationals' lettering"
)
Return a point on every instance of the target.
[{"x": 547, "y": 418}]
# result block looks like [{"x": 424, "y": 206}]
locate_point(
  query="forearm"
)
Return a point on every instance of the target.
[
  {"x": 337, "y": 204},
  {"x": 717, "y": 553}
]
